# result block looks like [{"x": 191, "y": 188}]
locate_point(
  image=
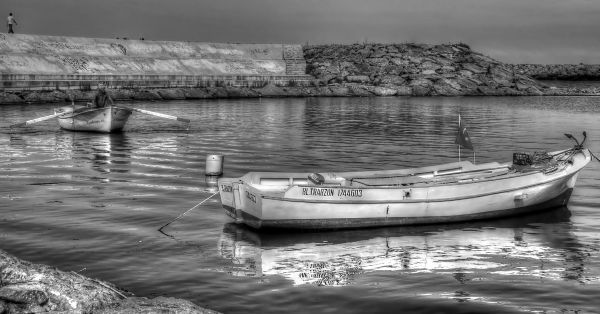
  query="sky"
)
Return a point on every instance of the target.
[{"x": 512, "y": 31}]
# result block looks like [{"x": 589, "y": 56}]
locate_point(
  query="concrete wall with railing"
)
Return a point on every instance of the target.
[{"x": 59, "y": 62}]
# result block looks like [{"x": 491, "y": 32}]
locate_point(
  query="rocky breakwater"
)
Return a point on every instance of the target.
[
  {"x": 548, "y": 74},
  {"x": 414, "y": 69},
  {"x": 345, "y": 70},
  {"x": 567, "y": 72},
  {"x": 33, "y": 288}
]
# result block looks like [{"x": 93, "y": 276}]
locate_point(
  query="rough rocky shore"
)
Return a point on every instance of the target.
[
  {"x": 368, "y": 70},
  {"x": 32, "y": 288},
  {"x": 567, "y": 72},
  {"x": 416, "y": 69}
]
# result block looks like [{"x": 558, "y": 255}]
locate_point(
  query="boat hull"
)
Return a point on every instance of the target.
[
  {"x": 305, "y": 206},
  {"x": 469, "y": 214},
  {"x": 104, "y": 120}
]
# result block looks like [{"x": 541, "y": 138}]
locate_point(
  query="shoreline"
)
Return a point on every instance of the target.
[
  {"x": 27, "y": 287},
  {"x": 269, "y": 91}
]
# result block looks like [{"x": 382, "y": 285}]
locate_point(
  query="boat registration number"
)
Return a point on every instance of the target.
[
  {"x": 328, "y": 192},
  {"x": 251, "y": 197},
  {"x": 226, "y": 188}
]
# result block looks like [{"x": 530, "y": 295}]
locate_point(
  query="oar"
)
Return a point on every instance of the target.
[
  {"x": 32, "y": 121},
  {"x": 162, "y": 115}
]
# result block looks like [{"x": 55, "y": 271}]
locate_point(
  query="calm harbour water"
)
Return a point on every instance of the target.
[{"x": 92, "y": 203}]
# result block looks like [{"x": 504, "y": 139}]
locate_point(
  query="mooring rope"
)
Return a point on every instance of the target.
[{"x": 187, "y": 211}]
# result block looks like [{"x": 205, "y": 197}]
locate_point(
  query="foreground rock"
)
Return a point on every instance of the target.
[
  {"x": 34, "y": 288},
  {"x": 133, "y": 305}
]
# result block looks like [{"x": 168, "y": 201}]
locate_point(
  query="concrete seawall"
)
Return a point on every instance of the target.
[{"x": 35, "y": 62}]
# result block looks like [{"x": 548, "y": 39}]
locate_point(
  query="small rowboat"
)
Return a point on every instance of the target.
[
  {"x": 81, "y": 118},
  {"x": 91, "y": 119},
  {"x": 453, "y": 192}
]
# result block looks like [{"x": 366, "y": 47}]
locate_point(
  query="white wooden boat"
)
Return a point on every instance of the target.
[
  {"x": 81, "y": 118},
  {"x": 451, "y": 192}
]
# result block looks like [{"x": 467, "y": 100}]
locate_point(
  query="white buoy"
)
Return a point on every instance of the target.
[{"x": 214, "y": 165}]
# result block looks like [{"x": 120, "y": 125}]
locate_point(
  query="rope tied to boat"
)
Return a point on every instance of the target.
[
  {"x": 548, "y": 163},
  {"x": 579, "y": 146},
  {"x": 186, "y": 212}
]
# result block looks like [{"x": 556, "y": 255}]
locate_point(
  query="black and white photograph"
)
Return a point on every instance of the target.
[{"x": 300, "y": 156}]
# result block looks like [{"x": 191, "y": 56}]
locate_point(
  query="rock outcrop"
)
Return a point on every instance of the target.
[
  {"x": 415, "y": 69},
  {"x": 32, "y": 288}
]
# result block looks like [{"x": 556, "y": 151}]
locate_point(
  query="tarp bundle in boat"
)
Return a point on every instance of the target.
[
  {"x": 524, "y": 159},
  {"x": 540, "y": 161}
]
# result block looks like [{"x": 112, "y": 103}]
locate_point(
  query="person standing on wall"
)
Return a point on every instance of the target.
[{"x": 10, "y": 20}]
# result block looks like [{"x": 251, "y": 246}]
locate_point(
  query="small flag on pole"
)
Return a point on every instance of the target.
[{"x": 462, "y": 136}]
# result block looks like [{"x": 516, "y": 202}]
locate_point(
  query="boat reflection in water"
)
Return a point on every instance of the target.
[
  {"x": 540, "y": 245},
  {"x": 105, "y": 153}
]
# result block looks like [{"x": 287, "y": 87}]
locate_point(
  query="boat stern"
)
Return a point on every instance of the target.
[
  {"x": 227, "y": 186},
  {"x": 242, "y": 198}
]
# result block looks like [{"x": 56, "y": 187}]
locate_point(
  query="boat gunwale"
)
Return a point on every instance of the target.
[
  {"x": 334, "y": 223},
  {"x": 584, "y": 151},
  {"x": 587, "y": 159},
  {"x": 352, "y": 201},
  {"x": 291, "y": 175},
  {"x": 74, "y": 114},
  {"x": 415, "y": 174},
  {"x": 425, "y": 182},
  {"x": 414, "y": 185}
]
